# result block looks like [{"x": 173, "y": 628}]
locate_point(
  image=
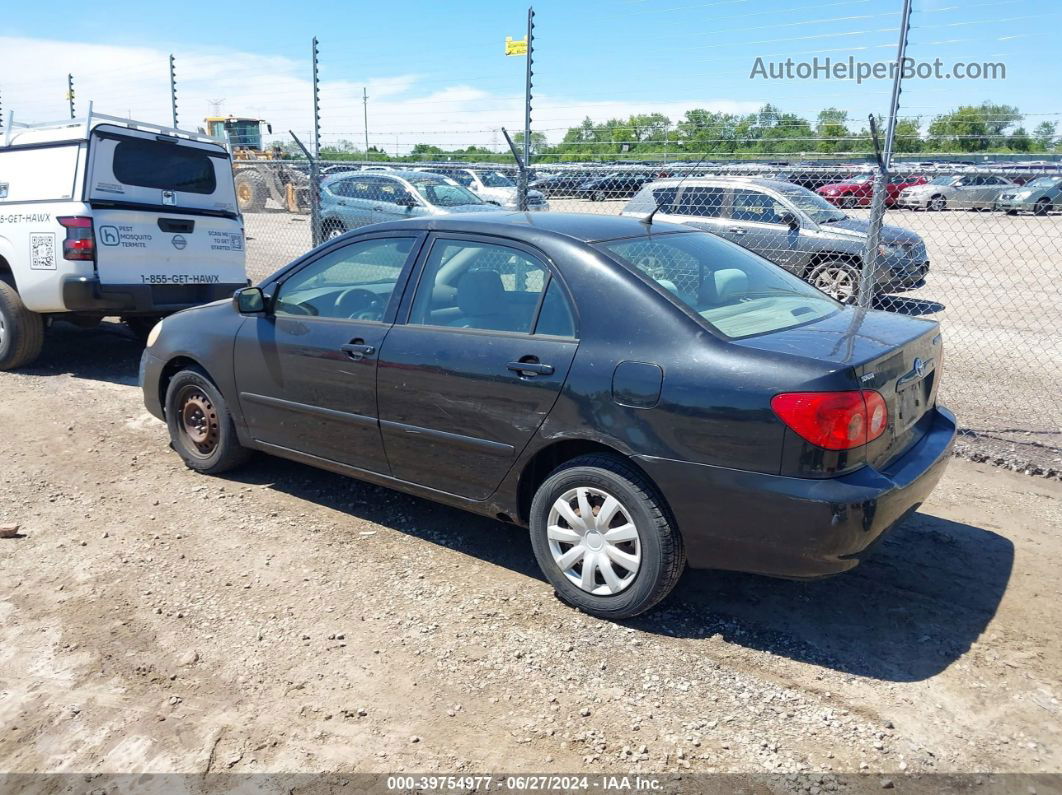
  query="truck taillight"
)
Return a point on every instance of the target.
[
  {"x": 80, "y": 243},
  {"x": 834, "y": 420}
]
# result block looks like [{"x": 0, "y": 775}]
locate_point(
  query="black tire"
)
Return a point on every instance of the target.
[
  {"x": 663, "y": 555},
  {"x": 21, "y": 331},
  {"x": 141, "y": 325},
  {"x": 937, "y": 203},
  {"x": 331, "y": 230},
  {"x": 1042, "y": 207},
  {"x": 848, "y": 202},
  {"x": 219, "y": 449},
  {"x": 598, "y": 196},
  {"x": 251, "y": 191}
]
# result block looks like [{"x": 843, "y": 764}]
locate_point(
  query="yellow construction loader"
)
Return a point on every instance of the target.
[{"x": 261, "y": 174}]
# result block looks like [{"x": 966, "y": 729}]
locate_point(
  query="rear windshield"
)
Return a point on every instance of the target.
[
  {"x": 154, "y": 164},
  {"x": 736, "y": 292}
]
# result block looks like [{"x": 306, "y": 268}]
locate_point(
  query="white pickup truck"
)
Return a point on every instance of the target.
[{"x": 105, "y": 216}]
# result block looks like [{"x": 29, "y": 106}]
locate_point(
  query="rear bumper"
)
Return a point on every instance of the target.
[
  {"x": 82, "y": 294},
  {"x": 797, "y": 527}
]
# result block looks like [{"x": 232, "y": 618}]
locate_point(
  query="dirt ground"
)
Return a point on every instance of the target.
[{"x": 283, "y": 619}]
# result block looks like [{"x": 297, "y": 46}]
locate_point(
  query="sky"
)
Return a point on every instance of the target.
[{"x": 435, "y": 72}]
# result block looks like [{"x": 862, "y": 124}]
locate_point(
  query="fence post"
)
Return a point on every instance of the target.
[
  {"x": 173, "y": 92},
  {"x": 868, "y": 273},
  {"x": 524, "y": 177},
  {"x": 315, "y": 194}
]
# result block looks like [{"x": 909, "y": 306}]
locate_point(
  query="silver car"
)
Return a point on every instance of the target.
[
  {"x": 789, "y": 225},
  {"x": 1039, "y": 197},
  {"x": 958, "y": 191},
  {"x": 492, "y": 186},
  {"x": 359, "y": 198}
]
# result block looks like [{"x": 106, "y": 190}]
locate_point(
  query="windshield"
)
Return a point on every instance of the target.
[
  {"x": 736, "y": 292},
  {"x": 942, "y": 180},
  {"x": 495, "y": 179},
  {"x": 244, "y": 134},
  {"x": 1043, "y": 182},
  {"x": 444, "y": 194},
  {"x": 817, "y": 208}
]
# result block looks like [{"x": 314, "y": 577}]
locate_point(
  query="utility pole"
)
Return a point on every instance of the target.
[
  {"x": 216, "y": 105},
  {"x": 877, "y": 201},
  {"x": 70, "y": 93},
  {"x": 173, "y": 91},
  {"x": 316, "y": 106},
  {"x": 365, "y": 109}
]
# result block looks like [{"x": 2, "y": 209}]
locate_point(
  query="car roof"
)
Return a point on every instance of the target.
[
  {"x": 773, "y": 184},
  {"x": 356, "y": 174},
  {"x": 582, "y": 227}
]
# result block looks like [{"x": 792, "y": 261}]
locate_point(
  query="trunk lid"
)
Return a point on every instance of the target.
[{"x": 898, "y": 356}]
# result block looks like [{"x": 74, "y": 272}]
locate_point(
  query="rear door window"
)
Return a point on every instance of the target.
[{"x": 166, "y": 166}]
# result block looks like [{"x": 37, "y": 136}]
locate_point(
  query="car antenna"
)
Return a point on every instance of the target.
[{"x": 648, "y": 220}]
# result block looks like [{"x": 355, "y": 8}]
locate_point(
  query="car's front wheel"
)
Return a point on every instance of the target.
[
  {"x": 937, "y": 204},
  {"x": 200, "y": 425},
  {"x": 1042, "y": 207},
  {"x": 604, "y": 538}
]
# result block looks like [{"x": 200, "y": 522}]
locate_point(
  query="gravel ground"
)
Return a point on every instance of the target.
[
  {"x": 284, "y": 619},
  {"x": 995, "y": 284}
]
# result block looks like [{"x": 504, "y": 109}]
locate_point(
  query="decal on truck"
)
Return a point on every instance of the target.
[{"x": 42, "y": 251}]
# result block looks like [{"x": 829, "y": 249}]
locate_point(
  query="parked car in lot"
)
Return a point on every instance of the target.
[
  {"x": 106, "y": 216},
  {"x": 491, "y": 186},
  {"x": 617, "y": 185},
  {"x": 958, "y": 191},
  {"x": 566, "y": 183},
  {"x": 351, "y": 200},
  {"x": 745, "y": 421},
  {"x": 1038, "y": 196},
  {"x": 792, "y": 227},
  {"x": 857, "y": 191}
]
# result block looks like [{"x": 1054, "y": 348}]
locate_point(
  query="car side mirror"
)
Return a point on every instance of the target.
[
  {"x": 249, "y": 301},
  {"x": 790, "y": 220}
]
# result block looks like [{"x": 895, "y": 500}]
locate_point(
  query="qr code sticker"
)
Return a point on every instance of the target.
[{"x": 42, "y": 251}]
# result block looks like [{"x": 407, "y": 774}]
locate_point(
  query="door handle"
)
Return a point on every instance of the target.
[
  {"x": 736, "y": 230},
  {"x": 531, "y": 369},
  {"x": 356, "y": 349}
]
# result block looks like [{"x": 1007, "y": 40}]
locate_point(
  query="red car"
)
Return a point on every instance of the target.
[{"x": 857, "y": 191}]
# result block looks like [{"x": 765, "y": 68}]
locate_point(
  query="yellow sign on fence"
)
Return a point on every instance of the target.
[{"x": 518, "y": 47}]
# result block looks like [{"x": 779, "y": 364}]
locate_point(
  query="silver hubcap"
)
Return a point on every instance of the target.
[
  {"x": 836, "y": 282},
  {"x": 594, "y": 541},
  {"x": 3, "y": 329}
]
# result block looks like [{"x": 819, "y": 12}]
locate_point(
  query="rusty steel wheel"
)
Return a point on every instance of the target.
[{"x": 198, "y": 420}]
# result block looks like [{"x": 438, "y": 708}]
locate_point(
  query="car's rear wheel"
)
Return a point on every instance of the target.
[
  {"x": 200, "y": 425},
  {"x": 937, "y": 203},
  {"x": 599, "y": 196},
  {"x": 838, "y": 279},
  {"x": 332, "y": 230},
  {"x": 603, "y": 537},
  {"x": 21, "y": 331},
  {"x": 1042, "y": 207}
]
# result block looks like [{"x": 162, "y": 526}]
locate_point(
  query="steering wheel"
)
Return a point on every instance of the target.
[
  {"x": 296, "y": 309},
  {"x": 359, "y": 304}
]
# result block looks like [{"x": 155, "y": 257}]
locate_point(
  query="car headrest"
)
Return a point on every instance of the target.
[
  {"x": 723, "y": 286},
  {"x": 730, "y": 283},
  {"x": 480, "y": 292}
]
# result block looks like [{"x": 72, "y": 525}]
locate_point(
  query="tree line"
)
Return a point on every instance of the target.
[{"x": 969, "y": 129}]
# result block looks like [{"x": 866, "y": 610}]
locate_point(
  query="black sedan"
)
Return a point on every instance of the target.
[
  {"x": 566, "y": 183},
  {"x": 619, "y": 185},
  {"x": 638, "y": 395}
]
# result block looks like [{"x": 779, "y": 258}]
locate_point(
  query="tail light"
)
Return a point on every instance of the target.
[
  {"x": 80, "y": 243},
  {"x": 834, "y": 420}
]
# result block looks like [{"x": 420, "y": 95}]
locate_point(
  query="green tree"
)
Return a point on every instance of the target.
[{"x": 1044, "y": 135}]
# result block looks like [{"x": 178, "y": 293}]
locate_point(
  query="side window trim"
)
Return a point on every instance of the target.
[
  {"x": 416, "y": 275},
  {"x": 401, "y": 285}
]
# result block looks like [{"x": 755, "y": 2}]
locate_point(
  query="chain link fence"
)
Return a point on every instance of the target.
[{"x": 978, "y": 249}]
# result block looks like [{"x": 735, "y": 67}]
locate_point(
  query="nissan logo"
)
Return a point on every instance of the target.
[{"x": 179, "y": 242}]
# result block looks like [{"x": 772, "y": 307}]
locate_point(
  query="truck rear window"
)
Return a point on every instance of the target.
[{"x": 153, "y": 164}]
